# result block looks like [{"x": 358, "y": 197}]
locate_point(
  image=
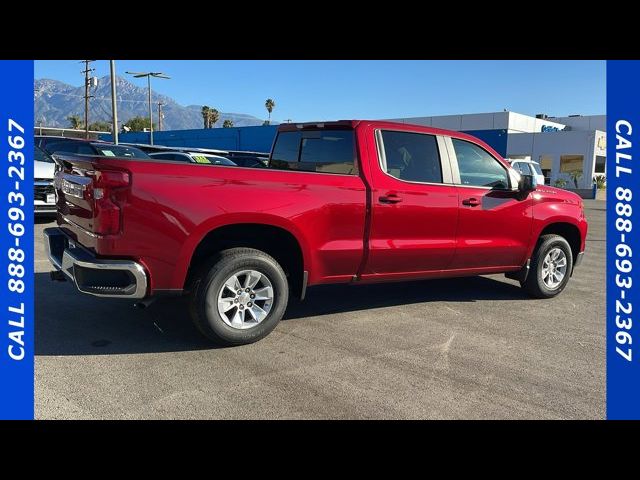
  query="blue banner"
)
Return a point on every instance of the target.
[
  {"x": 16, "y": 240},
  {"x": 623, "y": 247}
]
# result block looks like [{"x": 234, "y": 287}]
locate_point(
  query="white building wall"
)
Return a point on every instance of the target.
[
  {"x": 511, "y": 121},
  {"x": 584, "y": 122},
  {"x": 556, "y": 144}
]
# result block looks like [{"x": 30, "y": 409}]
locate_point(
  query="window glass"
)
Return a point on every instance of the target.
[
  {"x": 286, "y": 150},
  {"x": 571, "y": 163},
  {"x": 122, "y": 151},
  {"x": 522, "y": 168},
  {"x": 535, "y": 168},
  {"x": 412, "y": 156},
  {"x": 601, "y": 162},
  {"x": 325, "y": 151},
  {"x": 477, "y": 167},
  {"x": 546, "y": 164},
  {"x": 328, "y": 151},
  {"x": 40, "y": 155}
]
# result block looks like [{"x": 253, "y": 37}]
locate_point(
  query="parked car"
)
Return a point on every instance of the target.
[
  {"x": 249, "y": 160},
  {"x": 342, "y": 202},
  {"x": 100, "y": 149},
  {"x": 44, "y": 201},
  {"x": 528, "y": 167},
  {"x": 193, "y": 157},
  {"x": 43, "y": 141}
]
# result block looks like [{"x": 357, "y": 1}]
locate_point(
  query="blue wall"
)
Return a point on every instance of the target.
[
  {"x": 496, "y": 138},
  {"x": 255, "y": 139}
]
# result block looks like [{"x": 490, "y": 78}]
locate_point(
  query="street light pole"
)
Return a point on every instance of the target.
[
  {"x": 149, "y": 75},
  {"x": 150, "y": 109},
  {"x": 114, "y": 104}
]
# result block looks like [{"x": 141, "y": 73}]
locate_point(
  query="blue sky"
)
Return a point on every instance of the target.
[{"x": 340, "y": 89}]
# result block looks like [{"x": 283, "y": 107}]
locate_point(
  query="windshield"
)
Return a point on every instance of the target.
[
  {"x": 40, "y": 155},
  {"x": 109, "y": 150}
]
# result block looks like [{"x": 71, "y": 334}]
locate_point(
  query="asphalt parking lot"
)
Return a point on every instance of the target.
[{"x": 459, "y": 348}]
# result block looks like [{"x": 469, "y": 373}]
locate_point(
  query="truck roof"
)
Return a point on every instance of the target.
[{"x": 382, "y": 124}]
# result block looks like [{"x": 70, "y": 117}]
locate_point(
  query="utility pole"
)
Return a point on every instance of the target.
[
  {"x": 160, "y": 116},
  {"x": 114, "y": 104},
  {"x": 149, "y": 75},
  {"x": 86, "y": 72}
]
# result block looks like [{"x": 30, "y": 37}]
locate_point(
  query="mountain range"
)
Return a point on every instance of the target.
[{"x": 55, "y": 101}]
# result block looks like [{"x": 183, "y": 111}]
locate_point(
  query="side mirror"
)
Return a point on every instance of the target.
[{"x": 527, "y": 183}]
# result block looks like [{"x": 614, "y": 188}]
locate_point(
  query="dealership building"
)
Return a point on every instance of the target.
[{"x": 560, "y": 145}]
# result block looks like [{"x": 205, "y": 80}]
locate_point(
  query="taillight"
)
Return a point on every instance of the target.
[{"x": 109, "y": 193}]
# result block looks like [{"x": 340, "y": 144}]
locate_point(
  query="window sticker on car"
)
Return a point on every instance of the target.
[
  {"x": 201, "y": 159},
  {"x": 108, "y": 153}
]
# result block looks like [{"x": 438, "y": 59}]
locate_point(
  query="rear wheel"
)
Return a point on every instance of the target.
[
  {"x": 239, "y": 296},
  {"x": 551, "y": 267}
]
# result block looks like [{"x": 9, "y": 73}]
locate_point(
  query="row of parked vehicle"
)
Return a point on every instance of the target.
[{"x": 48, "y": 146}]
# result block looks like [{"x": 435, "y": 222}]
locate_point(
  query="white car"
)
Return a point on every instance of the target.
[
  {"x": 44, "y": 197},
  {"x": 528, "y": 167}
]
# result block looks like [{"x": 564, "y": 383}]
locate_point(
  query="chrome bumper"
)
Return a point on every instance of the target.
[{"x": 99, "y": 277}]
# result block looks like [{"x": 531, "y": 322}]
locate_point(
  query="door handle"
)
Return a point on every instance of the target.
[
  {"x": 471, "y": 202},
  {"x": 391, "y": 198}
]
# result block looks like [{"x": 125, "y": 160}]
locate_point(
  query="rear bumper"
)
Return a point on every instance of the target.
[{"x": 95, "y": 276}]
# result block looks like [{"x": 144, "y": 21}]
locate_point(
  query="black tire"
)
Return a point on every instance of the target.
[
  {"x": 534, "y": 285},
  {"x": 208, "y": 281}
]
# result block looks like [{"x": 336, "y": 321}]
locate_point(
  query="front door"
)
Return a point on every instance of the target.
[
  {"x": 414, "y": 206},
  {"x": 494, "y": 223}
]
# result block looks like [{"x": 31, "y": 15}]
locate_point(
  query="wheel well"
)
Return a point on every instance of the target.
[
  {"x": 275, "y": 241},
  {"x": 570, "y": 233}
]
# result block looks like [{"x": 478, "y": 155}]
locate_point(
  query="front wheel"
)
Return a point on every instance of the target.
[
  {"x": 239, "y": 296},
  {"x": 551, "y": 267}
]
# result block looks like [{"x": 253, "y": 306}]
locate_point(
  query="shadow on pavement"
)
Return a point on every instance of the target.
[{"x": 70, "y": 323}]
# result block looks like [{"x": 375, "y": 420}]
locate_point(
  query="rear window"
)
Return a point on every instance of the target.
[
  {"x": 40, "y": 155},
  {"x": 119, "y": 151},
  {"x": 323, "y": 151}
]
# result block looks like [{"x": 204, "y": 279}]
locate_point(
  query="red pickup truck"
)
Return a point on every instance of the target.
[{"x": 341, "y": 202}]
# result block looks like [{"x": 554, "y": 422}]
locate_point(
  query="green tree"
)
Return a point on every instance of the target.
[
  {"x": 75, "y": 121},
  {"x": 138, "y": 124},
  {"x": 100, "y": 126},
  {"x": 214, "y": 116},
  {"x": 227, "y": 123},
  {"x": 205, "y": 116},
  {"x": 269, "y": 104}
]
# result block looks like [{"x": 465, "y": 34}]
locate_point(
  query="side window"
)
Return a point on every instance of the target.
[
  {"x": 286, "y": 151},
  {"x": 412, "y": 156},
  {"x": 477, "y": 167},
  {"x": 522, "y": 167},
  {"x": 328, "y": 151}
]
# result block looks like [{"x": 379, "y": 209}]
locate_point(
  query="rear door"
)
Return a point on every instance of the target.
[
  {"x": 414, "y": 205},
  {"x": 494, "y": 223}
]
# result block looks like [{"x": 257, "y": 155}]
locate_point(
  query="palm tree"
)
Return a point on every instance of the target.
[
  {"x": 214, "y": 116},
  {"x": 75, "y": 121},
  {"x": 270, "y": 104},
  {"x": 205, "y": 115},
  {"x": 228, "y": 123}
]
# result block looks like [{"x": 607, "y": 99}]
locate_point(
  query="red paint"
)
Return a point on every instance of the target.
[{"x": 373, "y": 225}]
